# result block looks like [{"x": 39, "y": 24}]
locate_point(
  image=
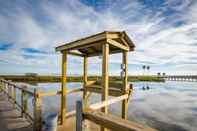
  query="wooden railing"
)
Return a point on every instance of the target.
[
  {"x": 105, "y": 120},
  {"x": 11, "y": 90}
]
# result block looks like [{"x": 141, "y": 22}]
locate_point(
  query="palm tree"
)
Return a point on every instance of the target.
[
  {"x": 143, "y": 67},
  {"x": 148, "y": 68}
]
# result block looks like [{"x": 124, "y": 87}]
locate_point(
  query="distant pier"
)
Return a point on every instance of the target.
[{"x": 189, "y": 78}]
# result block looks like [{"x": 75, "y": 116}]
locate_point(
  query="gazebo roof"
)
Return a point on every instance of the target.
[{"x": 92, "y": 45}]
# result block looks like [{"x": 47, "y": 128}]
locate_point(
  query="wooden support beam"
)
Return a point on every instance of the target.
[
  {"x": 99, "y": 89},
  {"x": 75, "y": 53},
  {"x": 37, "y": 123},
  {"x": 85, "y": 80},
  {"x": 105, "y": 78},
  {"x": 125, "y": 83},
  {"x": 117, "y": 44},
  {"x": 64, "y": 88},
  {"x": 82, "y": 42},
  {"x": 107, "y": 102},
  {"x": 114, "y": 123}
]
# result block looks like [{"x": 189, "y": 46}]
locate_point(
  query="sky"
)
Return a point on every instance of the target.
[{"x": 164, "y": 33}]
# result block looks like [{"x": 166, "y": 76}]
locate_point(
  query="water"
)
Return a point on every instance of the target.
[{"x": 169, "y": 106}]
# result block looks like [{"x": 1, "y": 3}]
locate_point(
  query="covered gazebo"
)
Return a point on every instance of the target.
[{"x": 105, "y": 43}]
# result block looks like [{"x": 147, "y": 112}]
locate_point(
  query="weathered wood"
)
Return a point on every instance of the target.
[
  {"x": 99, "y": 89},
  {"x": 108, "y": 102},
  {"x": 22, "y": 103},
  {"x": 125, "y": 83},
  {"x": 99, "y": 105},
  {"x": 105, "y": 77},
  {"x": 64, "y": 88},
  {"x": 85, "y": 80},
  {"x": 82, "y": 42},
  {"x": 79, "y": 116},
  {"x": 75, "y": 53},
  {"x": 114, "y": 123},
  {"x": 92, "y": 41},
  {"x": 37, "y": 125},
  {"x": 14, "y": 97},
  {"x": 117, "y": 44},
  {"x": 53, "y": 93}
]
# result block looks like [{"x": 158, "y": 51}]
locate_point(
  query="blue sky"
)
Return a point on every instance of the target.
[{"x": 164, "y": 32}]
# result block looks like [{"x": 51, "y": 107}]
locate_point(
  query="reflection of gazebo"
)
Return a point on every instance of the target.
[{"x": 104, "y": 43}]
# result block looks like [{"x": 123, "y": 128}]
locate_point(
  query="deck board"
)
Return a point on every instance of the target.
[{"x": 10, "y": 118}]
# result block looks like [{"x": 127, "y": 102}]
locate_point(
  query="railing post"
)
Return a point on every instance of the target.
[
  {"x": 9, "y": 90},
  {"x": 37, "y": 125},
  {"x": 24, "y": 101},
  {"x": 79, "y": 115},
  {"x": 1, "y": 85},
  {"x": 14, "y": 96}
]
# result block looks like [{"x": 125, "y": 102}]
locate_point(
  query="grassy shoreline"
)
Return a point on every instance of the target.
[{"x": 42, "y": 78}]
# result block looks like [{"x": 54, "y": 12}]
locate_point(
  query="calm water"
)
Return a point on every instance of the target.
[{"x": 169, "y": 106}]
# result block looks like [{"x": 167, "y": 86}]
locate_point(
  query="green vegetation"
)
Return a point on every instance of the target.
[{"x": 23, "y": 78}]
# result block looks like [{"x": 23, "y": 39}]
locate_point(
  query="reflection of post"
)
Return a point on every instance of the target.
[
  {"x": 105, "y": 78},
  {"x": 124, "y": 89}
]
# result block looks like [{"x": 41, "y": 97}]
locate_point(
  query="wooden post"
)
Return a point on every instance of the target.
[
  {"x": 125, "y": 82},
  {"x": 1, "y": 85},
  {"x": 64, "y": 89},
  {"x": 37, "y": 125},
  {"x": 85, "y": 79},
  {"x": 25, "y": 99},
  {"x": 14, "y": 96},
  {"x": 79, "y": 116},
  {"x": 105, "y": 78},
  {"x": 23, "y": 102},
  {"x": 9, "y": 91}
]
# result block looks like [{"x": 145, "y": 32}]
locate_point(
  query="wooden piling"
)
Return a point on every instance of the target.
[
  {"x": 125, "y": 83},
  {"x": 105, "y": 78},
  {"x": 37, "y": 124},
  {"x": 85, "y": 79},
  {"x": 24, "y": 103},
  {"x": 64, "y": 88}
]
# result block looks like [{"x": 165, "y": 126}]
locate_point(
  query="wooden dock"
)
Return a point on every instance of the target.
[
  {"x": 10, "y": 118},
  {"x": 89, "y": 117}
]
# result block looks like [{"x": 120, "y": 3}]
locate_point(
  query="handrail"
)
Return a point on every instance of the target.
[
  {"x": 16, "y": 86},
  {"x": 53, "y": 93},
  {"x": 9, "y": 88}
]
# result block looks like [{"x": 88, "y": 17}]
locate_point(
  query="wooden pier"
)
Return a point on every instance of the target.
[
  {"x": 95, "y": 116},
  {"x": 189, "y": 78}
]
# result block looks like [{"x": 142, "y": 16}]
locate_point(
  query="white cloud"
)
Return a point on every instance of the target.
[{"x": 157, "y": 40}]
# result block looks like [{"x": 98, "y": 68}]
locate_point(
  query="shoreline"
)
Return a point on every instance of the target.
[{"x": 45, "y": 78}]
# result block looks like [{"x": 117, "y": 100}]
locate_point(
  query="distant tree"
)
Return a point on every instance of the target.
[
  {"x": 148, "y": 68},
  {"x": 163, "y": 73},
  {"x": 144, "y": 68},
  {"x": 158, "y": 74}
]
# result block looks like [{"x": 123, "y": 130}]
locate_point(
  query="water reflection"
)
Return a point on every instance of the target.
[
  {"x": 170, "y": 106},
  {"x": 145, "y": 86}
]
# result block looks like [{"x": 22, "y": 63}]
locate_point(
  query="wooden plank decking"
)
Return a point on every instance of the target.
[{"x": 10, "y": 118}]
